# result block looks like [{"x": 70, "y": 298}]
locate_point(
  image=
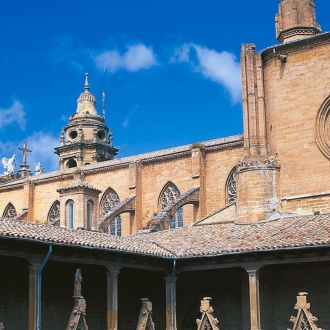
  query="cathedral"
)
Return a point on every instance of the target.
[{"x": 242, "y": 219}]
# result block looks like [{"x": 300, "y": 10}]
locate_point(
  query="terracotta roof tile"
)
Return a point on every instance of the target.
[{"x": 201, "y": 240}]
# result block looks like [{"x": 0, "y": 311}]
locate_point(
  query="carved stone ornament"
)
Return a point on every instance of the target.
[
  {"x": 1, "y": 326},
  {"x": 10, "y": 212},
  {"x": 304, "y": 319},
  {"x": 9, "y": 165},
  {"x": 145, "y": 321},
  {"x": 54, "y": 214},
  {"x": 207, "y": 321},
  {"x": 322, "y": 128},
  {"x": 257, "y": 162},
  {"x": 77, "y": 320}
]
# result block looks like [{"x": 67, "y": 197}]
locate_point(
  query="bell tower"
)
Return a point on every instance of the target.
[
  {"x": 86, "y": 139},
  {"x": 296, "y": 19}
]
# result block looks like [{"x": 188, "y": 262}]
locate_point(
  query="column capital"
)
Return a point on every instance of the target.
[
  {"x": 253, "y": 268},
  {"x": 168, "y": 279},
  {"x": 113, "y": 269},
  {"x": 34, "y": 262}
]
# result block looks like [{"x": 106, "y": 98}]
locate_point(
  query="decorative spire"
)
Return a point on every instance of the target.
[
  {"x": 86, "y": 82},
  {"x": 86, "y": 101},
  {"x": 305, "y": 319},
  {"x": 207, "y": 321},
  {"x": 296, "y": 19}
]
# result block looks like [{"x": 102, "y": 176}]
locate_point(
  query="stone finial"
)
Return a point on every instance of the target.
[
  {"x": 86, "y": 82},
  {"x": 25, "y": 150},
  {"x": 304, "y": 318},
  {"x": 1, "y": 326},
  {"x": 77, "y": 284},
  {"x": 207, "y": 321},
  {"x": 86, "y": 102},
  {"x": 296, "y": 19},
  {"x": 145, "y": 321},
  {"x": 77, "y": 318}
]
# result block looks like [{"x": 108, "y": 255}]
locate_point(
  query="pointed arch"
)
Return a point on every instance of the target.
[
  {"x": 53, "y": 216},
  {"x": 169, "y": 194},
  {"x": 10, "y": 212},
  {"x": 109, "y": 200},
  {"x": 230, "y": 189}
]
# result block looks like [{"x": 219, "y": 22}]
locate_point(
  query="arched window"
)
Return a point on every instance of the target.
[
  {"x": 89, "y": 215},
  {"x": 70, "y": 213},
  {"x": 169, "y": 195},
  {"x": 108, "y": 202},
  {"x": 10, "y": 212},
  {"x": 54, "y": 214},
  {"x": 231, "y": 192},
  {"x": 71, "y": 163}
]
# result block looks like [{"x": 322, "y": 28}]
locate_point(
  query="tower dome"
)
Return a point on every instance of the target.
[
  {"x": 86, "y": 101},
  {"x": 86, "y": 139}
]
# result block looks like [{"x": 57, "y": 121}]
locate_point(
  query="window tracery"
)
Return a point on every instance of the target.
[
  {"x": 231, "y": 190},
  {"x": 168, "y": 196},
  {"x": 10, "y": 212},
  {"x": 54, "y": 214},
  {"x": 109, "y": 201}
]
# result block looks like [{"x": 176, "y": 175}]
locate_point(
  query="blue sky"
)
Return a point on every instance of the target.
[{"x": 172, "y": 69}]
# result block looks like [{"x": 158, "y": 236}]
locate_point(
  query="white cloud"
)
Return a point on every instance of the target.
[
  {"x": 42, "y": 146},
  {"x": 222, "y": 68},
  {"x": 125, "y": 123},
  {"x": 137, "y": 57},
  {"x": 181, "y": 54},
  {"x": 15, "y": 114}
]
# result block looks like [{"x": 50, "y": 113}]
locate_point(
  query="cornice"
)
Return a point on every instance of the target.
[
  {"x": 295, "y": 46},
  {"x": 147, "y": 158}
]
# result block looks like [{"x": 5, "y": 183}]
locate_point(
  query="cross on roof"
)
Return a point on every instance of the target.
[{"x": 25, "y": 150}]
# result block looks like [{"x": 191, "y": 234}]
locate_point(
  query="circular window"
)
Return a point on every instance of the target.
[
  {"x": 73, "y": 134},
  {"x": 101, "y": 135},
  {"x": 322, "y": 128}
]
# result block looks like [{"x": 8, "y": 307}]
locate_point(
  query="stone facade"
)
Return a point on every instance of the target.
[
  {"x": 254, "y": 209},
  {"x": 280, "y": 166}
]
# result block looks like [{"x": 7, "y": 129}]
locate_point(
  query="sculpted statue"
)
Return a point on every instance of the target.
[
  {"x": 9, "y": 164},
  {"x": 38, "y": 168}
]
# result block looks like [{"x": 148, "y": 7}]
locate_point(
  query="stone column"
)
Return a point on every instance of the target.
[
  {"x": 34, "y": 267},
  {"x": 254, "y": 298},
  {"x": 112, "y": 297},
  {"x": 168, "y": 281}
]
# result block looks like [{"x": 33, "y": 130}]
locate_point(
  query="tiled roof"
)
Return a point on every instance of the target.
[
  {"x": 78, "y": 237},
  {"x": 76, "y": 185},
  {"x": 232, "y": 237},
  {"x": 191, "y": 241}
]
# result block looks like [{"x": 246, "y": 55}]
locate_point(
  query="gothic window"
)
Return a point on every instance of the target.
[
  {"x": 168, "y": 196},
  {"x": 109, "y": 201},
  {"x": 10, "y": 212},
  {"x": 89, "y": 215},
  {"x": 70, "y": 214},
  {"x": 231, "y": 192},
  {"x": 54, "y": 214}
]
